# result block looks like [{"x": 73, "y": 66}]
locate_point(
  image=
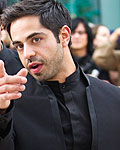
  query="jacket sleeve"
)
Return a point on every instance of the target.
[
  {"x": 107, "y": 57},
  {"x": 6, "y": 130}
]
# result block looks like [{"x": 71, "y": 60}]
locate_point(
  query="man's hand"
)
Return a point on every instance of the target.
[{"x": 10, "y": 86}]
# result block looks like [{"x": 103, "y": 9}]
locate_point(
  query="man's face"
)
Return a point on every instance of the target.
[
  {"x": 37, "y": 48},
  {"x": 79, "y": 38}
]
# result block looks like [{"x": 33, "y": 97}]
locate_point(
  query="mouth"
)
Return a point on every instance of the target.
[{"x": 35, "y": 67}]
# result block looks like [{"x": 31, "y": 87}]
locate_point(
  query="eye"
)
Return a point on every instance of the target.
[
  {"x": 36, "y": 40},
  {"x": 19, "y": 47},
  {"x": 81, "y": 32}
]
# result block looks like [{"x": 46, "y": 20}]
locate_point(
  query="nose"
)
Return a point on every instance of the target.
[
  {"x": 28, "y": 51},
  {"x": 76, "y": 35}
]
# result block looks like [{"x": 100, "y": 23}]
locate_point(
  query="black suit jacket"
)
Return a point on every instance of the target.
[{"x": 36, "y": 123}]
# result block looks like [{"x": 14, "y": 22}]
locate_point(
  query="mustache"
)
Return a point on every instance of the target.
[{"x": 35, "y": 59}]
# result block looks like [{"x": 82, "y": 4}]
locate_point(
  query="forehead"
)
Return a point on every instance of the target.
[
  {"x": 31, "y": 20},
  {"x": 80, "y": 27},
  {"x": 24, "y": 26},
  {"x": 103, "y": 29}
]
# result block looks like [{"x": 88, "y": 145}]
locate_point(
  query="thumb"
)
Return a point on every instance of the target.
[
  {"x": 23, "y": 72},
  {"x": 2, "y": 69}
]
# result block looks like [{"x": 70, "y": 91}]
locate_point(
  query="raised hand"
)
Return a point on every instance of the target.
[
  {"x": 114, "y": 36},
  {"x": 10, "y": 86}
]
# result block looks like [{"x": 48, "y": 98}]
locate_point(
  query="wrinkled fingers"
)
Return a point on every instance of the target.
[
  {"x": 13, "y": 80},
  {"x": 10, "y": 88},
  {"x": 6, "y": 97}
]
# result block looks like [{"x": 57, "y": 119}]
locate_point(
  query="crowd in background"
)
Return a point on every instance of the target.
[{"x": 96, "y": 49}]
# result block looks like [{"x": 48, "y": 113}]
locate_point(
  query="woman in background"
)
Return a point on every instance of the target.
[{"x": 82, "y": 48}]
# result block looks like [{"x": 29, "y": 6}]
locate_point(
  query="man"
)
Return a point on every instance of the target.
[{"x": 72, "y": 110}]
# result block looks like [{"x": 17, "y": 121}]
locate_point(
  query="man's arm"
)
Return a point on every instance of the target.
[{"x": 10, "y": 87}]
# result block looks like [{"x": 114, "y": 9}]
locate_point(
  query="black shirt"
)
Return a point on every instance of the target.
[{"x": 73, "y": 109}]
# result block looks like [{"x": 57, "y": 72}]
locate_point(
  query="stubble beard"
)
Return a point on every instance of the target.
[{"x": 52, "y": 67}]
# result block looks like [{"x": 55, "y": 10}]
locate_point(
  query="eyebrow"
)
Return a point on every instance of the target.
[{"x": 29, "y": 37}]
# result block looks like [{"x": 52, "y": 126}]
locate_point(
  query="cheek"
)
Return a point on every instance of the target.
[
  {"x": 49, "y": 50},
  {"x": 22, "y": 59},
  {"x": 99, "y": 37},
  {"x": 72, "y": 37},
  {"x": 85, "y": 40}
]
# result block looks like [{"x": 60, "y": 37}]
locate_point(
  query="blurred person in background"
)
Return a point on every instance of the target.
[
  {"x": 105, "y": 55},
  {"x": 6, "y": 39},
  {"x": 4, "y": 35},
  {"x": 10, "y": 57},
  {"x": 82, "y": 44},
  {"x": 82, "y": 48},
  {"x": 100, "y": 34}
]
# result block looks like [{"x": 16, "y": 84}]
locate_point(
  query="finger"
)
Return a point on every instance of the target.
[
  {"x": 23, "y": 72},
  {"x": 4, "y": 104},
  {"x": 6, "y": 97},
  {"x": 10, "y": 96},
  {"x": 13, "y": 80},
  {"x": 11, "y": 88},
  {"x": 2, "y": 69}
]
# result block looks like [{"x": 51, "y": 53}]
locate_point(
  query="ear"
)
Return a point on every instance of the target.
[
  {"x": 1, "y": 27},
  {"x": 64, "y": 35}
]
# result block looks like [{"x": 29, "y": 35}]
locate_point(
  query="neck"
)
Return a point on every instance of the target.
[
  {"x": 79, "y": 52},
  {"x": 67, "y": 68}
]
